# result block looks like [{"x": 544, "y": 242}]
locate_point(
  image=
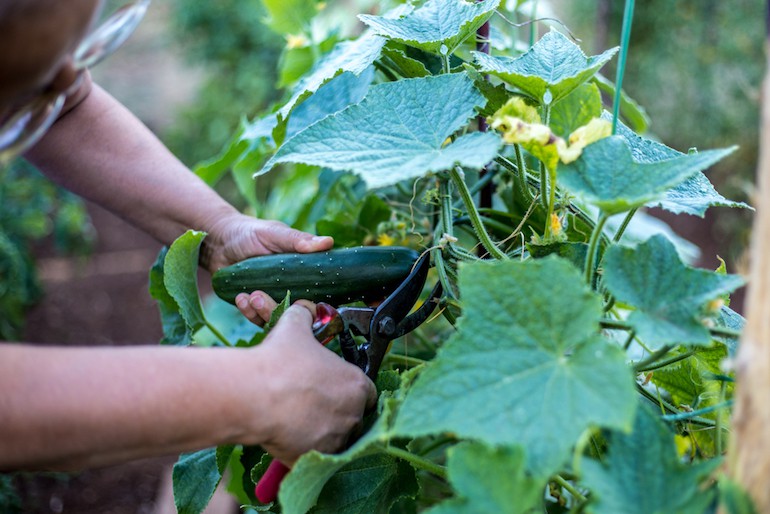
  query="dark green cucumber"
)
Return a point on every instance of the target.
[{"x": 346, "y": 275}]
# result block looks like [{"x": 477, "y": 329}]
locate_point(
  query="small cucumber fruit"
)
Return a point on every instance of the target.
[{"x": 345, "y": 275}]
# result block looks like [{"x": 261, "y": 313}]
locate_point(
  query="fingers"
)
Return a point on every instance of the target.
[
  {"x": 280, "y": 238},
  {"x": 311, "y": 244},
  {"x": 257, "y": 307}
]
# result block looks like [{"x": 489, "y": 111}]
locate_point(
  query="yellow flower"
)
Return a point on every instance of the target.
[
  {"x": 593, "y": 131},
  {"x": 385, "y": 240},
  {"x": 556, "y": 225},
  {"x": 516, "y": 107}
]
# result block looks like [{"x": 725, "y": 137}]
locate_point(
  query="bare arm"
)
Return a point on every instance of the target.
[
  {"x": 102, "y": 152},
  {"x": 71, "y": 408}
]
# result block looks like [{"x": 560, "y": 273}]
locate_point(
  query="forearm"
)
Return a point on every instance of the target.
[
  {"x": 102, "y": 152},
  {"x": 73, "y": 408}
]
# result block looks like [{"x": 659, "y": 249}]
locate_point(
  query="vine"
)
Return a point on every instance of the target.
[{"x": 548, "y": 378}]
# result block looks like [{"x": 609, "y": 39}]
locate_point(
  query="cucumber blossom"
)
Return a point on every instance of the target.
[{"x": 366, "y": 273}]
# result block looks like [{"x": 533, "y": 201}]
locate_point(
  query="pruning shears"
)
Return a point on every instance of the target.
[{"x": 379, "y": 326}]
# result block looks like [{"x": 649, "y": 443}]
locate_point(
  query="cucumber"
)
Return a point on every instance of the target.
[{"x": 346, "y": 275}]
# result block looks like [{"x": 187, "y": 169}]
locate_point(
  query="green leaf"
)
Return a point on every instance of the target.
[
  {"x": 175, "y": 331},
  {"x": 290, "y": 16},
  {"x": 576, "y": 110},
  {"x": 397, "y": 60},
  {"x": 606, "y": 175},
  {"x": 728, "y": 318},
  {"x": 180, "y": 276},
  {"x": 527, "y": 365},
  {"x": 390, "y": 136},
  {"x": 668, "y": 295},
  {"x": 490, "y": 481},
  {"x": 574, "y": 253},
  {"x": 354, "y": 56},
  {"x": 693, "y": 196},
  {"x": 370, "y": 484},
  {"x": 692, "y": 383},
  {"x": 553, "y": 65},
  {"x": 496, "y": 96},
  {"x": 642, "y": 474},
  {"x": 437, "y": 23},
  {"x": 196, "y": 476},
  {"x": 307, "y": 482},
  {"x": 630, "y": 110},
  {"x": 343, "y": 90}
]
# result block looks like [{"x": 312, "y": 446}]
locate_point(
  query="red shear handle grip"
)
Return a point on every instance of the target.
[{"x": 267, "y": 487}]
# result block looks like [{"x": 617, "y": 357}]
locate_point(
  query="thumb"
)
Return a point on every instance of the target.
[{"x": 298, "y": 317}]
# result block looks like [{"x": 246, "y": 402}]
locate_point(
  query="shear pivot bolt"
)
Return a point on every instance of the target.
[{"x": 387, "y": 326}]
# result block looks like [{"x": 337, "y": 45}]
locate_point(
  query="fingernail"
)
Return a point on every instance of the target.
[
  {"x": 318, "y": 239},
  {"x": 257, "y": 301},
  {"x": 242, "y": 301}
]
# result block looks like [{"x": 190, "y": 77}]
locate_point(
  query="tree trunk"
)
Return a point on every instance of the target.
[{"x": 749, "y": 457}]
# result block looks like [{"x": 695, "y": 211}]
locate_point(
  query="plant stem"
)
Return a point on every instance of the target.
[
  {"x": 667, "y": 362},
  {"x": 625, "y": 36},
  {"x": 218, "y": 334},
  {"x": 697, "y": 413},
  {"x": 593, "y": 244},
  {"x": 670, "y": 408},
  {"x": 718, "y": 442},
  {"x": 624, "y": 226},
  {"x": 416, "y": 461},
  {"x": 440, "y": 264},
  {"x": 614, "y": 324},
  {"x": 725, "y": 332},
  {"x": 533, "y": 24},
  {"x": 569, "y": 487},
  {"x": 447, "y": 65},
  {"x": 629, "y": 340},
  {"x": 405, "y": 359},
  {"x": 477, "y": 186},
  {"x": 522, "y": 165},
  {"x": 473, "y": 214},
  {"x": 641, "y": 365}
]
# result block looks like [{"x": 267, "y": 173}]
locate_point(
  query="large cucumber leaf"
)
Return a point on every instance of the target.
[
  {"x": 471, "y": 467},
  {"x": 643, "y": 474},
  {"x": 549, "y": 71},
  {"x": 607, "y": 176},
  {"x": 668, "y": 295},
  {"x": 437, "y": 23},
  {"x": 527, "y": 365},
  {"x": 391, "y": 135},
  {"x": 693, "y": 196},
  {"x": 354, "y": 56}
]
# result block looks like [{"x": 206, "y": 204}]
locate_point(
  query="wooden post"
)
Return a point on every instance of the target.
[{"x": 749, "y": 455}]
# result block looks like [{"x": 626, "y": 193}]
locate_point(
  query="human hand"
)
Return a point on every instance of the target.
[
  {"x": 257, "y": 307},
  {"x": 317, "y": 399},
  {"x": 236, "y": 236}
]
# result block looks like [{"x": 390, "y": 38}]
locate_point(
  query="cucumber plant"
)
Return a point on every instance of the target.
[{"x": 579, "y": 361}]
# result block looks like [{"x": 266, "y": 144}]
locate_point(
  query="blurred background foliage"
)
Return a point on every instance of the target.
[
  {"x": 32, "y": 209},
  {"x": 239, "y": 56},
  {"x": 696, "y": 66}
]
